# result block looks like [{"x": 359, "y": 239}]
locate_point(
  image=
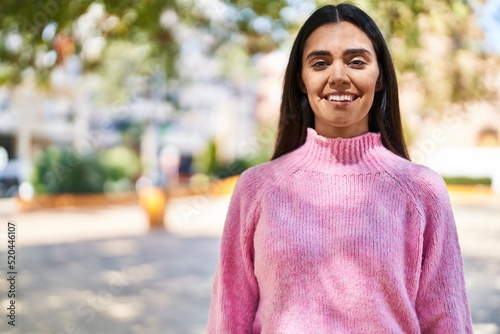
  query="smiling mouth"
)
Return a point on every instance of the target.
[{"x": 340, "y": 98}]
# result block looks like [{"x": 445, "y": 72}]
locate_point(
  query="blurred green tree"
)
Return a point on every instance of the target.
[
  {"x": 41, "y": 35},
  {"x": 437, "y": 46},
  {"x": 435, "y": 43}
]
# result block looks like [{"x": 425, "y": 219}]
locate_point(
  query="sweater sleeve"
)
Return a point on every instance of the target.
[
  {"x": 235, "y": 291},
  {"x": 441, "y": 305}
]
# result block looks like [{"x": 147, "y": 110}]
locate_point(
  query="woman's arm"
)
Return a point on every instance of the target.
[
  {"x": 235, "y": 291},
  {"x": 441, "y": 304}
]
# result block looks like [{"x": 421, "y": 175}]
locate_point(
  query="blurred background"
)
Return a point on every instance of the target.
[{"x": 124, "y": 125}]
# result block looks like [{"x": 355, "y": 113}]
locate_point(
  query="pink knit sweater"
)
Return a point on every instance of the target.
[{"x": 340, "y": 236}]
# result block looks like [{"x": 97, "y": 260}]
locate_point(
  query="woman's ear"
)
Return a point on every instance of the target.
[{"x": 302, "y": 87}]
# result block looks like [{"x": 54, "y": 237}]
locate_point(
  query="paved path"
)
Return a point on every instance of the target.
[
  {"x": 100, "y": 270},
  {"x": 479, "y": 233}
]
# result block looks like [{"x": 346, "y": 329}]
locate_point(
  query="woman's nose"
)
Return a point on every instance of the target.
[{"x": 338, "y": 75}]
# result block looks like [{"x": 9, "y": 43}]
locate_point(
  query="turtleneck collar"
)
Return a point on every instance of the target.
[{"x": 361, "y": 152}]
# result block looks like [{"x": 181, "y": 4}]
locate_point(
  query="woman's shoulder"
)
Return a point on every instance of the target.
[
  {"x": 264, "y": 173},
  {"x": 422, "y": 182},
  {"x": 254, "y": 183}
]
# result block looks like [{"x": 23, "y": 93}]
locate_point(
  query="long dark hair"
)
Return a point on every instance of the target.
[{"x": 296, "y": 114}]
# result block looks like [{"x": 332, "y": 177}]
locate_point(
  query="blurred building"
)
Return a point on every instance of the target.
[
  {"x": 462, "y": 139},
  {"x": 181, "y": 115}
]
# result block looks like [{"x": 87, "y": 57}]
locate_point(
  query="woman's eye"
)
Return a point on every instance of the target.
[
  {"x": 319, "y": 64},
  {"x": 357, "y": 63}
]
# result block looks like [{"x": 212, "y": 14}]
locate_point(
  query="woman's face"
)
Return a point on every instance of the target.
[{"x": 339, "y": 75}]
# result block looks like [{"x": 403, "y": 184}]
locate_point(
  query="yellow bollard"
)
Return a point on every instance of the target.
[{"x": 154, "y": 201}]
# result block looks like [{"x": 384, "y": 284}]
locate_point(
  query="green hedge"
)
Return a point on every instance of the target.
[
  {"x": 60, "y": 170},
  {"x": 462, "y": 180}
]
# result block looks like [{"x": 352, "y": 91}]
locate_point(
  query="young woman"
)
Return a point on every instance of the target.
[{"x": 340, "y": 232}]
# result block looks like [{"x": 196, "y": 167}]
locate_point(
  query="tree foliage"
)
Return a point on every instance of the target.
[
  {"x": 438, "y": 42},
  {"x": 42, "y": 35}
]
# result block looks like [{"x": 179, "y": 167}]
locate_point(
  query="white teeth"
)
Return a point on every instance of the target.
[{"x": 340, "y": 98}]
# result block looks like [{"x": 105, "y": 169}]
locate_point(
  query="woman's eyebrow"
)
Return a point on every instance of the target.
[
  {"x": 349, "y": 52},
  {"x": 318, "y": 53}
]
